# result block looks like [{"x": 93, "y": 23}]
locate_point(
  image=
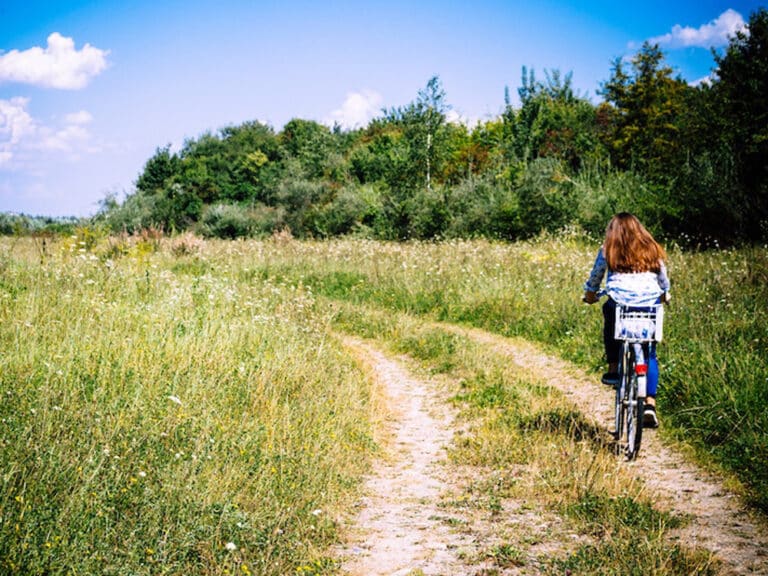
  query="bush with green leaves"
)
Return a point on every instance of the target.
[{"x": 230, "y": 221}]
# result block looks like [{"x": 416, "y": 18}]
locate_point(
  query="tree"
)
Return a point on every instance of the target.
[
  {"x": 417, "y": 155},
  {"x": 473, "y": 153},
  {"x": 649, "y": 102},
  {"x": 552, "y": 121},
  {"x": 252, "y": 154},
  {"x": 431, "y": 110},
  {"x": 422, "y": 123},
  {"x": 310, "y": 144},
  {"x": 158, "y": 171},
  {"x": 742, "y": 92}
]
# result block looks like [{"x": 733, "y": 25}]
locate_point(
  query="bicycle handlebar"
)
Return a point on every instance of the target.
[{"x": 599, "y": 294}]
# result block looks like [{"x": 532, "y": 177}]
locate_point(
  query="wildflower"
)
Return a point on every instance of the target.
[
  {"x": 317, "y": 512},
  {"x": 175, "y": 399},
  {"x": 231, "y": 546},
  {"x": 142, "y": 474}
]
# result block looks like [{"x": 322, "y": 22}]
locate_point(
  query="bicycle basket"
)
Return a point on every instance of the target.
[{"x": 639, "y": 324}]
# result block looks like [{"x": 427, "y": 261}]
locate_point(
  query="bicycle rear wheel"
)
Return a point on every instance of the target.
[
  {"x": 621, "y": 391},
  {"x": 635, "y": 407}
]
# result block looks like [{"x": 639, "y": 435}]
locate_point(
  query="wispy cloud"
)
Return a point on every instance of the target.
[
  {"x": 72, "y": 136},
  {"x": 358, "y": 109},
  {"x": 16, "y": 125},
  {"x": 22, "y": 137},
  {"x": 59, "y": 65},
  {"x": 712, "y": 35}
]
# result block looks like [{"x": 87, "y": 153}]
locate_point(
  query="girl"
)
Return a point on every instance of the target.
[{"x": 637, "y": 276}]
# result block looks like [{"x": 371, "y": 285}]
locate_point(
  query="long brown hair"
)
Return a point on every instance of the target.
[{"x": 629, "y": 247}]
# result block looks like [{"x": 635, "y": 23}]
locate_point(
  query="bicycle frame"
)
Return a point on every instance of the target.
[{"x": 636, "y": 328}]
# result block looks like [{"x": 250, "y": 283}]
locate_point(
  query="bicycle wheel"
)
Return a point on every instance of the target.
[
  {"x": 635, "y": 409},
  {"x": 620, "y": 406}
]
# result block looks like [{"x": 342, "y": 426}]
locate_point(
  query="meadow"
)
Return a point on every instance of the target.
[
  {"x": 167, "y": 413},
  {"x": 715, "y": 373},
  {"x": 173, "y": 405}
]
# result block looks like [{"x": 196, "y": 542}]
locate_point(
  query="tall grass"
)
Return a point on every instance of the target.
[
  {"x": 179, "y": 406},
  {"x": 165, "y": 414},
  {"x": 714, "y": 383}
]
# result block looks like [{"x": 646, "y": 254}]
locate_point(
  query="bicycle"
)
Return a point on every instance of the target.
[{"x": 636, "y": 328}]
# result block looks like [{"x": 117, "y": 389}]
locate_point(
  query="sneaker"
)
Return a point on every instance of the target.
[
  {"x": 610, "y": 379},
  {"x": 650, "y": 420}
]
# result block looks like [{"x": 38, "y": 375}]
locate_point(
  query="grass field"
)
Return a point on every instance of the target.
[
  {"x": 714, "y": 382},
  {"x": 174, "y": 406},
  {"x": 168, "y": 412}
]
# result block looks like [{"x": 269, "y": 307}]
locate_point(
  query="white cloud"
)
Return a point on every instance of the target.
[
  {"x": 16, "y": 125},
  {"x": 706, "y": 80},
  {"x": 67, "y": 138},
  {"x": 712, "y": 35},
  {"x": 358, "y": 109},
  {"x": 59, "y": 65},
  {"x": 22, "y": 138},
  {"x": 454, "y": 117}
]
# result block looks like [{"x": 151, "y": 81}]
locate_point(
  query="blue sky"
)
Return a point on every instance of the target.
[{"x": 89, "y": 89}]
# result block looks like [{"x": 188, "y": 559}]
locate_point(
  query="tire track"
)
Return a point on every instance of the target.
[{"x": 398, "y": 530}]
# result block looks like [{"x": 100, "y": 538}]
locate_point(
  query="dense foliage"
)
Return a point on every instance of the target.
[
  {"x": 689, "y": 160},
  {"x": 22, "y": 224}
]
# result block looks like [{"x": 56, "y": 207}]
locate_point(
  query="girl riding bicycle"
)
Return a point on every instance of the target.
[{"x": 637, "y": 277}]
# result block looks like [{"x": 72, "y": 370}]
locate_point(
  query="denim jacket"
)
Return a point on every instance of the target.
[{"x": 628, "y": 288}]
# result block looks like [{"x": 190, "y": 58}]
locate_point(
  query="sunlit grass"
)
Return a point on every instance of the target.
[
  {"x": 714, "y": 381},
  {"x": 169, "y": 412},
  {"x": 186, "y": 405}
]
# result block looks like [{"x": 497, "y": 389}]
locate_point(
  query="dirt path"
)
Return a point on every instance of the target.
[
  {"x": 402, "y": 527},
  {"x": 718, "y": 522},
  {"x": 398, "y": 529}
]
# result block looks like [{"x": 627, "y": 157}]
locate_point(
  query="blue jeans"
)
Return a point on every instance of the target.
[{"x": 613, "y": 347}]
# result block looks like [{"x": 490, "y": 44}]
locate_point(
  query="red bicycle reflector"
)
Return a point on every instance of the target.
[{"x": 641, "y": 369}]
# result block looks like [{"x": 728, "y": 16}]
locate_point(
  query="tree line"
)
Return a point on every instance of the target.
[{"x": 690, "y": 161}]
